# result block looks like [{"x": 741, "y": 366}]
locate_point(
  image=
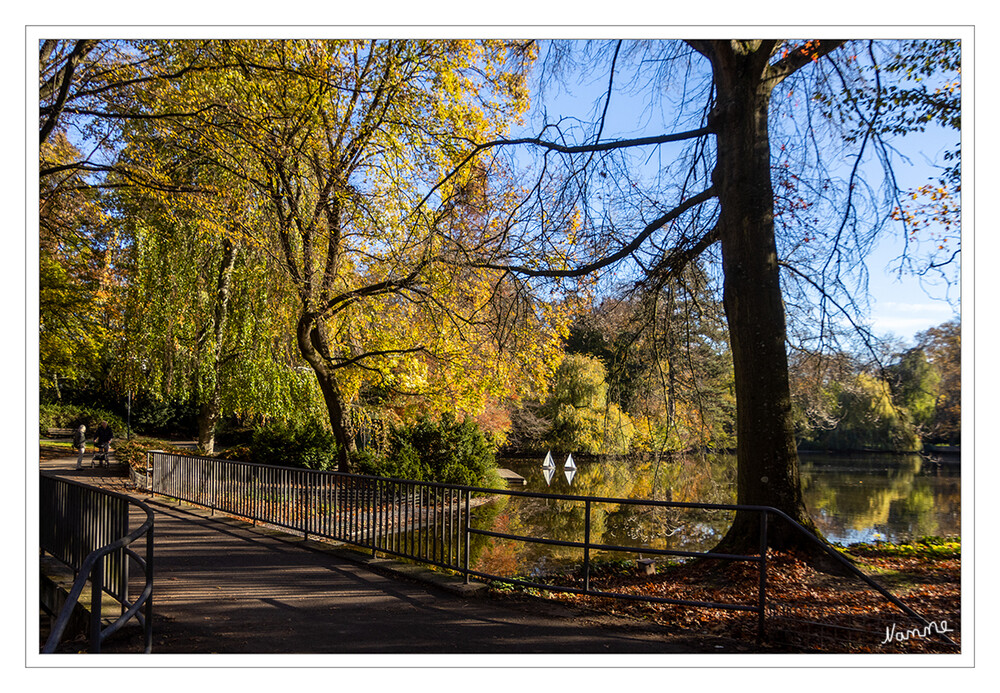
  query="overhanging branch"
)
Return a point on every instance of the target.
[
  {"x": 799, "y": 57},
  {"x": 621, "y": 254},
  {"x": 673, "y": 263},
  {"x": 548, "y": 146}
]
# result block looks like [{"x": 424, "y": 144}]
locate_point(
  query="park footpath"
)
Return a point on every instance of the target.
[{"x": 222, "y": 585}]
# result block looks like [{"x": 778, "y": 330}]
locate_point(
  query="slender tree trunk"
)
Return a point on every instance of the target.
[
  {"x": 208, "y": 419},
  {"x": 768, "y": 465},
  {"x": 211, "y": 408}
]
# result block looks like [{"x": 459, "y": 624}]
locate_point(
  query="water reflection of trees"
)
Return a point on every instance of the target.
[
  {"x": 857, "y": 499},
  {"x": 708, "y": 480},
  {"x": 848, "y": 496}
]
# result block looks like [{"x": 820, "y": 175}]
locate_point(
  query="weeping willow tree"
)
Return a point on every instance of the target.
[{"x": 203, "y": 320}]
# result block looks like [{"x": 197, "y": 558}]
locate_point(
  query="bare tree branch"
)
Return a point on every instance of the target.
[
  {"x": 621, "y": 254},
  {"x": 60, "y": 83}
]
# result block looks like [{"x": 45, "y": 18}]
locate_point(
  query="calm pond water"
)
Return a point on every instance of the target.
[
  {"x": 864, "y": 498},
  {"x": 855, "y": 498}
]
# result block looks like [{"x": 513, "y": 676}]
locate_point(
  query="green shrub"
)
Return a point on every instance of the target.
[
  {"x": 72, "y": 415},
  {"x": 367, "y": 462},
  {"x": 446, "y": 451},
  {"x": 451, "y": 452},
  {"x": 300, "y": 444},
  {"x": 154, "y": 416},
  {"x": 402, "y": 462}
]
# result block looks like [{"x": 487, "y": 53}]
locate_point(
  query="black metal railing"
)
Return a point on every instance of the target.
[
  {"x": 435, "y": 524},
  {"x": 423, "y": 521},
  {"x": 87, "y": 529}
]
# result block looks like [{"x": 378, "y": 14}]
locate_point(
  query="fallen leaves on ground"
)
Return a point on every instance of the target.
[{"x": 806, "y": 609}]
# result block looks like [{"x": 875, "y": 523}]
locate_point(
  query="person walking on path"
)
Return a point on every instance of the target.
[
  {"x": 103, "y": 442},
  {"x": 80, "y": 444}
]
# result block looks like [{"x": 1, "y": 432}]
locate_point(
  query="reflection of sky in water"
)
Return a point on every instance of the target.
[{"x": 847, "y": 535}]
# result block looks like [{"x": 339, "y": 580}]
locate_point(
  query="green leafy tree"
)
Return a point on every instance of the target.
[
  {"x": 942, "y": 346},
  {"x": 817, "y": 380},
  {"x": 869, "y": 419},
  {"x": 915, "y": 386},
  {"x": 580, "y": 415},
  {"x": 843, "y": 403}
]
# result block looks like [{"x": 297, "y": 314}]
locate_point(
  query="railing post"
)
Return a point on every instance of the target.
[
  {"x": 762, "y": 590},
  {"x": 96, "y": 601},
  {"x": 375, "y": 517},
  {"x": 255, "y": 494},
  {"x": 468, "y": 535},
  {"x": 148, "y": 624},
  {"x": 306, "y": 498},
  {"x": 586, "y": 547}
]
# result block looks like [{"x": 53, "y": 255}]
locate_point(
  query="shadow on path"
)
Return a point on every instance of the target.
[{"x": 224, "y": 586}]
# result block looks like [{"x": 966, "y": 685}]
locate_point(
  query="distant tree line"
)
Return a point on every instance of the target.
[{"x": 614, "y": 394}]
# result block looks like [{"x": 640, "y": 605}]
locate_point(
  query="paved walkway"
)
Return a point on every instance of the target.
[{"x": 224, "y": 586}]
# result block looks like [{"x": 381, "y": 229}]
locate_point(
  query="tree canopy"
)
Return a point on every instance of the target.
[
  {"x": 392, "y": 217},
  {"x": 313, "y": 159}
]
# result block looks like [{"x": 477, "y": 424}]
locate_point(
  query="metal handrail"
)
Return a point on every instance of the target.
[
  {"x": 92, "y": 569},
  {"x": 857, "y": 573},
  {"x": 378, "y": 526}
]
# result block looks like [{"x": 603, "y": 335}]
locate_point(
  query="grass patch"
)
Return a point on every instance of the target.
[{"x": 932, "y": 548}]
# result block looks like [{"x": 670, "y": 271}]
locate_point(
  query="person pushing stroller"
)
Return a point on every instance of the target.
[{"x": 102, "y": 440}]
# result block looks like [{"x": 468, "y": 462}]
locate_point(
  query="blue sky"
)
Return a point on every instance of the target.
[{"x": 901, "y": 303}]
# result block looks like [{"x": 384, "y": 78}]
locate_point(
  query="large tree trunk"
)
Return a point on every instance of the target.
[
  {"x": 314, "y": 347},
  {"x": 768, "y": 465}
]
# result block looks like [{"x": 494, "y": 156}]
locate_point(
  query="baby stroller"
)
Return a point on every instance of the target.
[{"x": 101, "y": 456}]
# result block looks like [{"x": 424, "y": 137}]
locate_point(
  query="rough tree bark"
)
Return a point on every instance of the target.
[{"x": 768, "y": 465}]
